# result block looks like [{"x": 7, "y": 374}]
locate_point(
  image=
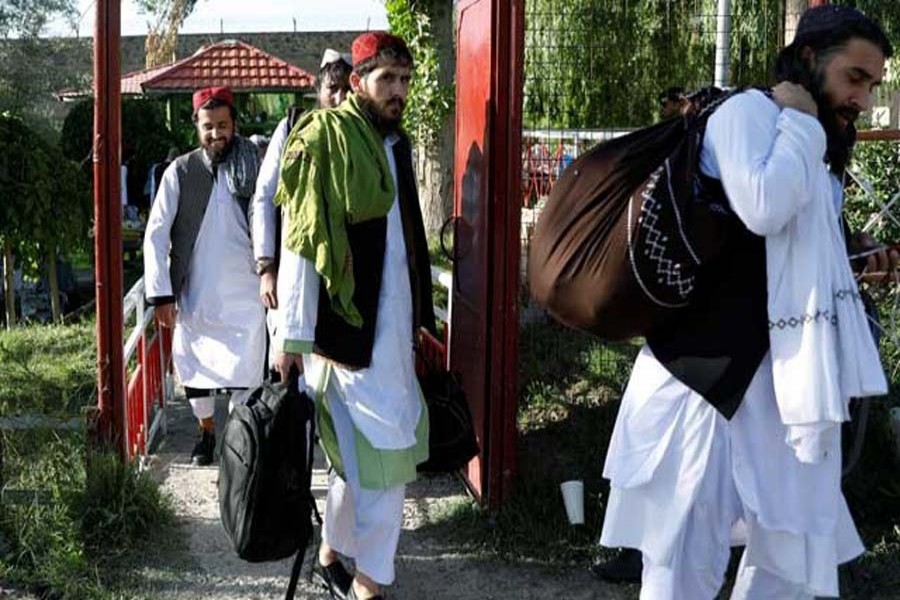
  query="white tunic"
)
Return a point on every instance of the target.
[
  {"x": 664, "y": 436},
  {"x": 262, "y": 207},
  {"x": 382, "y": 399},
  {"x": 219, "y": 338}
]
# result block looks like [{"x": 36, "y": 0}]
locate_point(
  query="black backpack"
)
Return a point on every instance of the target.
[{"x": 265, "y": 471}]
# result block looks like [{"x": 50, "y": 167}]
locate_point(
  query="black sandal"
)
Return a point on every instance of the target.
[{"x": 334, "y": 578}]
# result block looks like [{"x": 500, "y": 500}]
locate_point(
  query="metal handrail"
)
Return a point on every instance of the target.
[{"x": 148, "y": 389}]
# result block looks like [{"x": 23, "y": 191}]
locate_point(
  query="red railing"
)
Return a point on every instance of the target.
[{"x": 148, "y": 376}]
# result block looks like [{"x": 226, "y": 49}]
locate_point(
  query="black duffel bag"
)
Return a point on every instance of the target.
[{"x": 451, "y": 438}]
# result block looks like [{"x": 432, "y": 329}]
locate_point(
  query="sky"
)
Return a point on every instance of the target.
[{"x": 235, "y": 16}]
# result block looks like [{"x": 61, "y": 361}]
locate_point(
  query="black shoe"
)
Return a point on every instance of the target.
[
  {"x": 624, "y": 568},
  {"x": 202, "y": 455},
  {"x": 333, "y": 578}
]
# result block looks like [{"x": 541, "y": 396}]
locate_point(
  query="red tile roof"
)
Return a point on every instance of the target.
[{"x": 236, "y": 64}]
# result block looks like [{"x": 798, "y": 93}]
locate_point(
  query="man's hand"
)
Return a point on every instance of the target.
[
  {"x": 165, "y": 314},
  {"x": 880, "y": 266},
  {"x": 794, "y": 95},
  {"x": 284, "y": 361},
  {"x": 267, "y": 289}
]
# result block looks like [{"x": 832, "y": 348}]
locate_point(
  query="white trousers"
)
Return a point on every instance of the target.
[
  {"x": 205, "y": 406},
  {"x": 697, "y": 570},
  {"x": 359, "y": 523}
]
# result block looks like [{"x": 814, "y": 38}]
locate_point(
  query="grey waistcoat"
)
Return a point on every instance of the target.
[{"x": 195, "y": 184}]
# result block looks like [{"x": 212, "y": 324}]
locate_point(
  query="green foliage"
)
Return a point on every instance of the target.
[
  {"x": 26, "y": 18},
  {"x": 70, "y": 531},
  {"x": 601, "y": 63},
  {"x": 158, "y": 7},
  {"x": 48, "y": 369},
  {"x": 46, "y": 205},
  {"x": 886, "y": 13},
  {"x": 71, "y": 525},
  {"x": 146, "y": 138},
  {"x": 429, "y": 101},
  {"x": 24, "y": 89}
]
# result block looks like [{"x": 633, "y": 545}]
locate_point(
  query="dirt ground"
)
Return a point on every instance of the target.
[{"x": 427, "y": 567}]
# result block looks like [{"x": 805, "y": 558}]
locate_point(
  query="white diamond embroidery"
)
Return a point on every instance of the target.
[{"x": 668, "y": 271}]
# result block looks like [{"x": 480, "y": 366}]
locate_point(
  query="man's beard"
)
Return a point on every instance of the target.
[
  {"x": 383, "y": 122},
  {"x": 215, "y": 156},
  {"x": 841, "y": 139}
]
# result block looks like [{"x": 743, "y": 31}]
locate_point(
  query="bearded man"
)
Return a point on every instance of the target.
[
  {"x": 729, "y": 430},
  {"x": 333, "y": 85},
  {"x": 198, "y": 265},
  {"x": 355, "y": 286}
]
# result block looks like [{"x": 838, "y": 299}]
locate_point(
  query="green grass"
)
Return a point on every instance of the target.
[
  {"x": 48, "y": 369},
  {"x": 72, "y": 525},
  {"x": 77, "y": 528},
  {"x": 570, "y": 386}
]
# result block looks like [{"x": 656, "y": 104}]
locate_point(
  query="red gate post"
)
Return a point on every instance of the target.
[
  {"x": 487, "y": 208},
  {"x": 108, "y": 227}
]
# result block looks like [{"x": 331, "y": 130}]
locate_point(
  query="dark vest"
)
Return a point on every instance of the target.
[
  {"x": 195, "y": 184},
  {"x": 715, "y": 345},
  {"x": 351, "y": 346}
]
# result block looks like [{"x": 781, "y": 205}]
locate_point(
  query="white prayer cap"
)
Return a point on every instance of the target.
[{"x": 331, "y": 56}]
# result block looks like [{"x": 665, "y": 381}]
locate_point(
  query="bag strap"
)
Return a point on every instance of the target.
[{"x": 295, "y": 573}]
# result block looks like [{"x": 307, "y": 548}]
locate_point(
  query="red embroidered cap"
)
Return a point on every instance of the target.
[
  {"x": 371, "y": 43},
  {"x": 223, "y": 94}
]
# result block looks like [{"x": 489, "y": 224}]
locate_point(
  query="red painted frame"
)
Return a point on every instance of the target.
[
  {"x": 111, "y": 423},
  {"x": 487, "y": 206}
]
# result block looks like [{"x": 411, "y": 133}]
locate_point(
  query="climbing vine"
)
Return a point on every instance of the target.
[{"x": 430, "y": 102}]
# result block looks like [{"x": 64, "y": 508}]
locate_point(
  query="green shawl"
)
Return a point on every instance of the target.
[{"x": 334, "y": 172}]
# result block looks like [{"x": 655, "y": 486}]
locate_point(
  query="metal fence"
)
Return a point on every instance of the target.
[{"x": 596, "y": 69}]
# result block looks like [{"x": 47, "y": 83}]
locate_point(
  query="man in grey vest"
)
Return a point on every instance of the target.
[{"x": 199, "y": 269}]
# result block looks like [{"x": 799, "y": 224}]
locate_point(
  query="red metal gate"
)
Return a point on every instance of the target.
[{"x": 484, "y": 331}]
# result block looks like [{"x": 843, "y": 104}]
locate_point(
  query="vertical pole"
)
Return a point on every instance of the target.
[
  {"x": 723, "y": 42},
  {"x": 108, "y": 227}
]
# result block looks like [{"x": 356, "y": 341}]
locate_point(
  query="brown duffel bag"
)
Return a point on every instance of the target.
[{"x": 627, "y": 228}]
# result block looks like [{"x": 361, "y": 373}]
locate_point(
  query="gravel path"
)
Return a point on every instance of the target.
[{"x": 427, "y": 568}]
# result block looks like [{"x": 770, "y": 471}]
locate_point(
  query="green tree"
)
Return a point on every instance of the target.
[
  {"x": 46, "y": 207},
  {"x": 602, "y": 63},
  {"x": 162, "y": 39},
  {"x": 23, "y": 88},
  {"x": 427, "y": 27}
]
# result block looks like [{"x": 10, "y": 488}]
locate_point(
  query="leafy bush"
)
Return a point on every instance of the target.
[
  {"x": 45, "y": 203},
  {"x": 146, "y": 138}
]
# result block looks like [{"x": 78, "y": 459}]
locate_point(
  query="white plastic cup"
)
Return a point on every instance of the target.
[{"x": 573, "y": 498}]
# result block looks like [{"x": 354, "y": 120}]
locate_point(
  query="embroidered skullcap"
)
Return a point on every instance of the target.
[
  {"x": 332, "y": 56},
  {"x": 828, "y": 17},
  {"x": 369, "y": 44},
  {"x": 223, "y": 94}
]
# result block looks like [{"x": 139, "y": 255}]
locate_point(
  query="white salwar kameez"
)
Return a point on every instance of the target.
[
  {"x": 685, "y": 482},
  {"x": 381, "y": 402},
  {"x": 263, "y": 213},
  {"x": 219, "y": 337}
]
